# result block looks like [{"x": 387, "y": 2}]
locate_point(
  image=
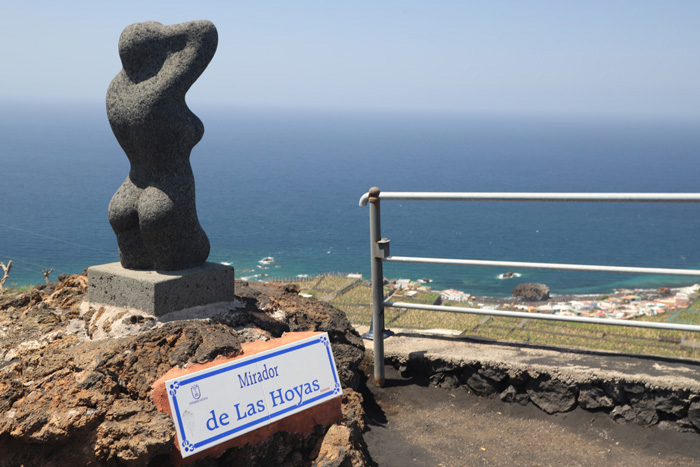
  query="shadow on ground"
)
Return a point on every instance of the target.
[{"x": 413, "y": 423}]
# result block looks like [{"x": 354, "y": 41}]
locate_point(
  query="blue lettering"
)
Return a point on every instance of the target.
[
  {"x": 287, "y": 395},
  {"x": 261, "y": 405},
  {"x": 251, "y": 409},
  {"x": 243, "y": 380},
  {"x": 212, "y": 419},
  {"x": 293, "y": 393},
  {"x": 298, "y": 391},
  {"x": 238, "y": 412},
  {"x": 277, "y": 396},
  {"x": 223, "y": 418},
  {"x": 248, "y": 378}
]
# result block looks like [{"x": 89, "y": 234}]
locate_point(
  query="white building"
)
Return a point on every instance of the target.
[
  {"x": 681, "y": 299},
  {"x": 452, "y": 295}
]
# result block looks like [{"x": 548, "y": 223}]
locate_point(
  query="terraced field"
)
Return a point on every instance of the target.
[{"x": 353, "y": 296}]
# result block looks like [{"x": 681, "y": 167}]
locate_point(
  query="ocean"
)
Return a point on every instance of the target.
[{"x": 286, "y": 184}]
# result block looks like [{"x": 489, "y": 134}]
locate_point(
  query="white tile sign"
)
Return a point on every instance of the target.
[{"x": 225, "y": 401}]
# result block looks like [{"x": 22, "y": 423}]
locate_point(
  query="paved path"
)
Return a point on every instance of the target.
[
  {"x": 413, "y": 423},
  {"x": 575, "y": 364}
]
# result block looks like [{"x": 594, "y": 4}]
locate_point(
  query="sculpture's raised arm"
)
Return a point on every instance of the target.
[
  {"x": 175, "y": 55},
  {"x": 200, "y": 40}
]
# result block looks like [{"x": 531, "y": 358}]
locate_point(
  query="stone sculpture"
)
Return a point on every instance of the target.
[{"x": 153, "y": 213}]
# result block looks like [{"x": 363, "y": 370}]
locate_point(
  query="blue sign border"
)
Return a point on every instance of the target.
[{"x": 174, "y": 386}]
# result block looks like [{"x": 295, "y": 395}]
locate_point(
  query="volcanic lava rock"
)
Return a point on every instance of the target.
[
  {"x": 154, "y": 213},
  {"x": 531, "y": 292},
  {"x": 552, "y": 395},
  {"x": 76, "y": 382}
]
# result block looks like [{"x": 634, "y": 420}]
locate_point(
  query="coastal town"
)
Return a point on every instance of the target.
[
  {"x": 618, "y": 304},
  {"x": 352, "y": 294},
  {"x": 622, "y": 304}
]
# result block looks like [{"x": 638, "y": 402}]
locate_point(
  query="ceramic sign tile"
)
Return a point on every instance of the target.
[{"x": 225, "y": 401}]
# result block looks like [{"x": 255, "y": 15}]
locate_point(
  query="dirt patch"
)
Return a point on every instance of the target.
[{"x": 412, "y": 423}]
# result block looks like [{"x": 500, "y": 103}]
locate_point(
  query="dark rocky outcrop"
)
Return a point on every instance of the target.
[
  {"x": 531, "y": 292},
  {"x": 75, "y": 384},
  {"x": 592, "y": 397},
  {"x": 694, "y": 414},
  {"x": 625, "y": 401},
  {"x": 670, "y": 404},
  {"x": 487, "y": 380},
  {"x": 551, "y": 395},
  {"x": 512, "y": 395}
]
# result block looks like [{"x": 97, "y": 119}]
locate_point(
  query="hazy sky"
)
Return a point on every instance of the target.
[{"x": 609, "y": 57}]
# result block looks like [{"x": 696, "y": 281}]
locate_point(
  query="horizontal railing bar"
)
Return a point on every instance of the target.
[
  {"x": 521, "y": 314},
  {"x": 547, "y": 197},
  {"x": 550, "y": 266}
]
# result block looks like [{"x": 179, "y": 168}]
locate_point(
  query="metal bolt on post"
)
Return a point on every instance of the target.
[{"x": 379, "y": 250}]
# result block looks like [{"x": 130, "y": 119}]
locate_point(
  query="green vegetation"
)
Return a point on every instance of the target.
[
  {"x": 307, "y": 284},
  {"x": 427, "y": 298},
  {"x": 334, "y": 283},
  {"x": 360, "y": 293},
  {"x": 14, "y": 288},
  {"x": 690, "y": 315},
  {"x": 355, "y": 301}
]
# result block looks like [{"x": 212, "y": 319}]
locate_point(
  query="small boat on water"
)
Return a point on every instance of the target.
[{"x": 267, "y": 260}]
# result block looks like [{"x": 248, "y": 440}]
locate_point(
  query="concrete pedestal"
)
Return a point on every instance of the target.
[{"x": 160, "y": 292}]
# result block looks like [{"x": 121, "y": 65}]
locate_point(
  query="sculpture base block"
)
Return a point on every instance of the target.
[{"x": 160, "y": 292}]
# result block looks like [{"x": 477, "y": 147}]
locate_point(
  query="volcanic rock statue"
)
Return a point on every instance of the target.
[
  {"x": 153, "y": 213},
  {"x": 162, "y": 247}
]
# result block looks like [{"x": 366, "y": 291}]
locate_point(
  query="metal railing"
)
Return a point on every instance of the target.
[{"x": 379, "y": 251}]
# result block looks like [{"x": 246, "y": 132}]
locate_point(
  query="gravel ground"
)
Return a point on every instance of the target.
[{"x": 412, "y": 423}]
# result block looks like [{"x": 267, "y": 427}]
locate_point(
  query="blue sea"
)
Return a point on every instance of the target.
[{"x": 286, "y": 184}]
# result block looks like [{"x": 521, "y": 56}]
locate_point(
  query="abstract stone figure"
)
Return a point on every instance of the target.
[{"x": 153, "y": 213}]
